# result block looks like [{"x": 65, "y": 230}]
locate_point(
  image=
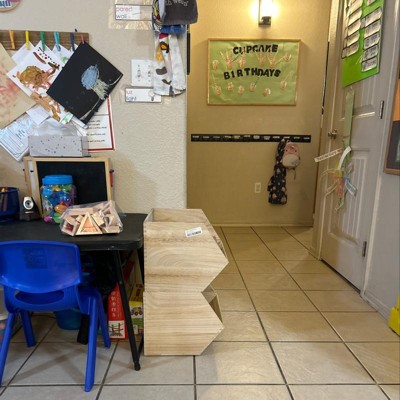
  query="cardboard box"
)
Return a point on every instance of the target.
[
  {"x": 136, "y": 307},
  {"x": 58, "y": 146}
]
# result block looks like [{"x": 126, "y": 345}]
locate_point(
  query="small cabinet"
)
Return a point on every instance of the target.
[{"x": 183, "y": 255}]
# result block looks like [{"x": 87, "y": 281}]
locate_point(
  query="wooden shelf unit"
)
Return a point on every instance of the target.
[{"x": 181, "y": 310}]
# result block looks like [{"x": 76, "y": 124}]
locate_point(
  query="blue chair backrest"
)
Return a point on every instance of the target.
[{"x": 38, "y": 266}]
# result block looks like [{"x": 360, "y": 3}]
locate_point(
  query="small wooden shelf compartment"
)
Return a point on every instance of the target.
[{"x": 181, "y": 311}]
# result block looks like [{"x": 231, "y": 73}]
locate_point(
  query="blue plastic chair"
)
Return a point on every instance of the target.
[{"x": 46, "y": 276}]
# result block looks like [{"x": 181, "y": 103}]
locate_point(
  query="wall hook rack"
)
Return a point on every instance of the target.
[
  {"x": 34, "y": 37},
  {"x": 250, "y": 138}
]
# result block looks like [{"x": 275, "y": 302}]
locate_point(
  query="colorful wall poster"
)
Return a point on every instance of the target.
[
  {"x": 362, "y": 40},
  {"x": 252, "y": 71}
]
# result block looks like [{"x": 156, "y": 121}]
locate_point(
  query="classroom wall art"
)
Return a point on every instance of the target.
[
  {"x": 363, "y": 23},
  {"x": 252, "y": 71},
  {"x": 85, "y": 82}
]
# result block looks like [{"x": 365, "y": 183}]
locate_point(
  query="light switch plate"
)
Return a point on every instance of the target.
[{"x": 142, "y": 73}]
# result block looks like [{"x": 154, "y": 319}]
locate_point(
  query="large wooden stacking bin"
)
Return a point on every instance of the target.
[{"x": 181, "y": 311}]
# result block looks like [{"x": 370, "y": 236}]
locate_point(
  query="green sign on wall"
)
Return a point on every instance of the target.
[
  {"x": 362, "y": 40},
  {"x": 252, "y": 72}
]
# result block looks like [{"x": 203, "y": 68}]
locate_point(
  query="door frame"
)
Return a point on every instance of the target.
[{"x": 392, "y": 17}]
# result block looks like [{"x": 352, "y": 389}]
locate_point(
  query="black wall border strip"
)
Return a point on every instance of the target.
[{"x": 249, "y": 138}]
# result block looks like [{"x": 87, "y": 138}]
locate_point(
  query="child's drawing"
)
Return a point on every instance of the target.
[
  {"x": 34, "y": 75},
  {"x": 85, "y": 82}
]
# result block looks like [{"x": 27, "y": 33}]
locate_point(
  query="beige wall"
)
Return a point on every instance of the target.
[
  {"x": 221, "y": 176},
  {"x": 150, "y": 159}
]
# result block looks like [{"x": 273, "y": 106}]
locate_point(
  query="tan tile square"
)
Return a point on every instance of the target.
[
  {"x": 231, "y": 268},
  {"x": 237, "y": 363},
  {"x": 337, "y": 392},
  {"x": 338, "y": 301},
  {"x": 296, "y": 230},
  {"x": 320, "y": 363},
  {"x": 234, "y": 300},
  {"x": 61, "y": 364},
  {"x": 228, "y": 281},
  {"x": 393, "y": 391},
  {"x": 275, "y": 238},
  {"x": 274, "y": 300},
  {"x": 260, "y": 267},
  {"x": 142, "y": 392},
  {"x": 297, "y": 327},
  {"x": 242, "y": 237},
  {"x": 292, "y": 254},
  {"x": 237, "y": 229},
  {"x": 286, "y": 244},
  {"x": 155, "y": 370},
  {"x": 269, "y": 282},
  {"x": 242, "y": 392},
  {"x": 69, "y": 392},
  {"x": 241, "y": 326},
  {"x": 268, "y": 229},
  {"x": 306, "y": 267},
  {"x": 361, "y": 327},
  {"x": 306, "y": 243},
  {"x": 380, "y": 359},
  {"x": 253, "y": 251},
  {"x": 321, "y": 282}
]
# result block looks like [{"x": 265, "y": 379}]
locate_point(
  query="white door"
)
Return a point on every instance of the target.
[{"x": 343, "y": 234}]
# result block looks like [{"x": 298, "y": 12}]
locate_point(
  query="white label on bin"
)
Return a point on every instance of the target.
[{"x": 193, "y": 232}]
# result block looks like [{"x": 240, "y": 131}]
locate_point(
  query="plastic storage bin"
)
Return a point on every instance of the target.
[
  {"x": 68, "y": 319},
  {"x": 58, "y": 193},
  {"x": 9, "y": 204}
]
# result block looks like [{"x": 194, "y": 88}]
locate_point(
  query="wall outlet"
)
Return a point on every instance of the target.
[{"x": 257, "y": 187}]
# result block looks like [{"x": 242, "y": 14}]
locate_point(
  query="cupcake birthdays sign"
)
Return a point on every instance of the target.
[{"x": 252, "y": 72}]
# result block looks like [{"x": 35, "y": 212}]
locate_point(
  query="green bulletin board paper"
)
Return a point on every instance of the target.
[
  {"x": 352, "y": 65},
  {"x": 252, "y": 71}
]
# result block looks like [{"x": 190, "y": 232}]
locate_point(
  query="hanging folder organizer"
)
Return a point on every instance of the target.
[{"x": 34, "y": 37}]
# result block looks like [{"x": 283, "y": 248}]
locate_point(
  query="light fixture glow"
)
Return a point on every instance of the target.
[{"x": 265, "y": 11}]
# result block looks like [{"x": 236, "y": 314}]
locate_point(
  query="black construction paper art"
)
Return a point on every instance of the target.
[{"x": 84, "y": 83}]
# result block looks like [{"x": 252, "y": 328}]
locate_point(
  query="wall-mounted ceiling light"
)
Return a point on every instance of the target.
[{"x": 265, "y": 11}]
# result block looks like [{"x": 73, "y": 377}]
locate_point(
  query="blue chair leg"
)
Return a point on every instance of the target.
[
  {"x": 91, "y": 350},
  {"x": 103, "y": 323},
  {"x": 27, "y": 326},
  {"x": 6, "y": 343}
]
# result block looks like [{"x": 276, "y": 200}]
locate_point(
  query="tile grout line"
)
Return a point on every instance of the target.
[
  {"x": 375, "y": 383},
  {"x": 38, "y": 343},
  {"x": 102, "y": 382},
  {"x": 263, "y": 329}
]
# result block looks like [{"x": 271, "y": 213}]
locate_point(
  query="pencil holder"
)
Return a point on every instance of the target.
[{"x": 9, "y": 204}]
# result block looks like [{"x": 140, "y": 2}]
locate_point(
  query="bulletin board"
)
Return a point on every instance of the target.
[
  {"x": 252, "y": 71},
  {"x": 362, "y": 40}
]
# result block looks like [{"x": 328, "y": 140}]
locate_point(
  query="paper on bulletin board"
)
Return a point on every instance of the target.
[
  {"x": 130, "y": 14},
  {"x": 362, "y": 40},
  {"x": 99, "y": 130},
  {"x": 13, "y": 102},
  {"x": 14, "y": 137}
]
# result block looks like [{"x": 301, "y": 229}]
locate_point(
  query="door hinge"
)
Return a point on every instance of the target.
[
  {"x": 381, "y": 107},
  {"x": 364, "y": 249}
]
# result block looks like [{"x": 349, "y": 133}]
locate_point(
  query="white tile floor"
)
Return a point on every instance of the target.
[{"x": 294, "y": 330}]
